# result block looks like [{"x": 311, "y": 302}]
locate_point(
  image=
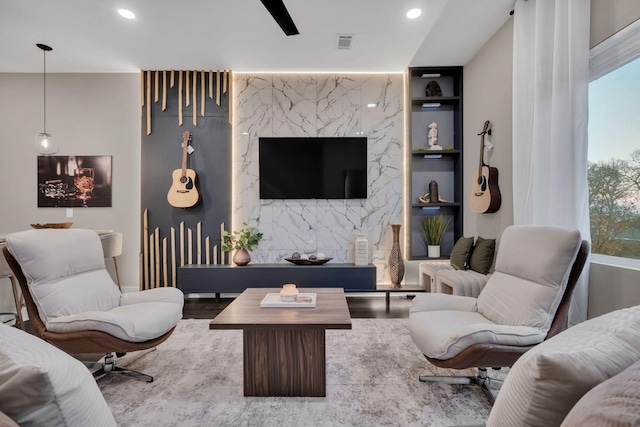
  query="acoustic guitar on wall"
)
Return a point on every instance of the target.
[
  {"x": 183, "y": 192},
  {"x": 485, "y": 193}
]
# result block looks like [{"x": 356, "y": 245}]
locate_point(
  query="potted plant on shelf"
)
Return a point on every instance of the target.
[
  {"x": 433, "y": 228},
  {"x": 242, "y": 242}
]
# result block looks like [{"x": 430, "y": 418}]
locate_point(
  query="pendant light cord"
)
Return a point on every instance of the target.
[
  {"x": 44, "y": 86},
  {"x": 45, "y": 49}
]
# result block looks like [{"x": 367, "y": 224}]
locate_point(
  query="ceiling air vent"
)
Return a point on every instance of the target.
[{"x": 344, "y": 41}]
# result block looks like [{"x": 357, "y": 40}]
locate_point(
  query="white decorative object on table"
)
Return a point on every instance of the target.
[
  {"x": 361, "y": 250},
  {"x": 304, "y": 300},
  {"x": 289, "y": 292}
]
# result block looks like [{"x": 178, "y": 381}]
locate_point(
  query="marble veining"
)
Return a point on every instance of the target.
[{"x": 320, "y": 105}]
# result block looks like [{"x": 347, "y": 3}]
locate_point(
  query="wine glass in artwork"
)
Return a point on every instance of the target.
[{"x": 83, "y": 181}]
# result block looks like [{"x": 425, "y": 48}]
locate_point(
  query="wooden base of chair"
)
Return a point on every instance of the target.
[
  {"x": 481, "y": 379},
  {"x": 109, "y": 367}
]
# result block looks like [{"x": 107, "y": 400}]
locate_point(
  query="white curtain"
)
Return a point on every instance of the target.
[{"x": 550, "y": 111}]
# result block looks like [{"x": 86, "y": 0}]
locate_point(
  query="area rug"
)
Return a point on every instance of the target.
[{"x": 372, "y": 380}]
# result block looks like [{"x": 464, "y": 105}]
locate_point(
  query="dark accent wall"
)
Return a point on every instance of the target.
[{"x": 211, "y": 160}]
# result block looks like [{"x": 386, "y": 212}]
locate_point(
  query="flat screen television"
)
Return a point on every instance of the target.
[{"x": 313, "y": 168}]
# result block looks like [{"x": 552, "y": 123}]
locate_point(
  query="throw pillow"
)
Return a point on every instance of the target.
[
  {"x": 548, "y": 380},
  {"x": 482, "y": 255},
  {"x": 461, "y": 252},
  {"x": 42, "y": 385},
  {"x": 615, "y": 402}
]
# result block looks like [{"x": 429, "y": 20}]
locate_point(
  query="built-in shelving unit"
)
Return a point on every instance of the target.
[{"x": 443, "y": 166}]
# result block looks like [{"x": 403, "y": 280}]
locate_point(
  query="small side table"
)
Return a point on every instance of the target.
[{"x": 6, "y": 273}]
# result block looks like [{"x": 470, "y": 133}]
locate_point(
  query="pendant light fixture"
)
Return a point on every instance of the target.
[{"x": 44, "y": 143}]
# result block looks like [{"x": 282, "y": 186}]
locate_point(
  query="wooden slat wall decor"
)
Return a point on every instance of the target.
[
  {"x": 158, "y": 263},
  {"x": 164, "y": 249},
  {"x": 219, "y": 83}
]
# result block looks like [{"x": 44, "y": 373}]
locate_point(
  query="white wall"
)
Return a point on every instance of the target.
[
  {"x": 608, "y": 17},
  {"x": 487, "y": 96},
  {"x": 88, "y": 114}
]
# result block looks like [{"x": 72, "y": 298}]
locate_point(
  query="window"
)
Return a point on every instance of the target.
[{"x": 614, "y": 145}]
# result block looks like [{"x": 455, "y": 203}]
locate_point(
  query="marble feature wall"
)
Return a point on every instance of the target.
[{"x": 300, "y": 105}]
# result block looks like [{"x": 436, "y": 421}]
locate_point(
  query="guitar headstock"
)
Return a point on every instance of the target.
[
  {"x": 485, "y": 128},
  {"x": 186, "y": 137}
]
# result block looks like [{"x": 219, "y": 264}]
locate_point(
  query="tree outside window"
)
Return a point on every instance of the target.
[{"x": 614, "y": 162}]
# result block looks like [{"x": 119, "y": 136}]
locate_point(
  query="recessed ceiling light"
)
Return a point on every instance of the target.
[
  {"x": 126, "y": 13},
  {"x": 414, "y": 13},
  {"x": 372, "y": 105}
]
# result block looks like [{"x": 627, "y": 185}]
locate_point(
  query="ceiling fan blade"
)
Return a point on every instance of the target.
[{"x": 278, "y": 10}]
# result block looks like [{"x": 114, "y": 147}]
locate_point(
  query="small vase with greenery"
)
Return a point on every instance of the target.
[
  {"x": 242, "y": 242},
  {"x": 433, "y": 228}
]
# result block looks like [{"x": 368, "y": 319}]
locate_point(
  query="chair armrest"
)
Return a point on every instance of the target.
[
  {"x": 467, "y": 283},
  {"x": 440, "y": 302},
  {"x": 173, "y": 295}
]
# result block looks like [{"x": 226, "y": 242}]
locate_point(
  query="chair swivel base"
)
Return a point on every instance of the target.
[
  {"x": 481, "y": 379},
  {"x": 109, "y": 367}
]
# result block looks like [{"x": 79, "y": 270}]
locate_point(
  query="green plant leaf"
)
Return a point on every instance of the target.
[
  {"x": 246, "y": 238},
  {"x": 433, "y": 229}
]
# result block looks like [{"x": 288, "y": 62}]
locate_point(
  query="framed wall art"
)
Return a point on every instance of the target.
[{"x": 74, "y": 181}]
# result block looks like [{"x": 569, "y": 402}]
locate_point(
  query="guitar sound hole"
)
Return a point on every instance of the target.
[
  {"x": 183, "y": 180},
  {"x": 482, "y": 182}
]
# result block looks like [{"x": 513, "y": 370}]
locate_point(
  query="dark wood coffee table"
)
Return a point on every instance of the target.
[{"x": 284, "y": 348}]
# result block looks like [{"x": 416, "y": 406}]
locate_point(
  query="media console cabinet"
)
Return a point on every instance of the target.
[
  {"x": 209, "y": 278},
  {"x": 200, "y": 278}
]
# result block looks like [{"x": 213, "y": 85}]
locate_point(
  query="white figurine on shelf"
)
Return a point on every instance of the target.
[{"x": 432, "y": 137}]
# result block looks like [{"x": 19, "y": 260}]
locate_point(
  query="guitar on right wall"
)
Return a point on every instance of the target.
[{"x": 485, "y": 193}]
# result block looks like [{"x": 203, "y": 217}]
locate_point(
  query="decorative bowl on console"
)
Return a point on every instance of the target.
[{"x": 300, "y": 261}]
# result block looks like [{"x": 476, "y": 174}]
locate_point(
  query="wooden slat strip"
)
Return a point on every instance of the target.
[
  {"x": 225, "y": 78},
  {"x": 141, "y": 89},
  {"x": 165, "y": 272},
  {"x": 194, "y": 111},
  {"x": 215, "y": 255},
  {"x": 145, "y": 248},
  {"x": 218, "y": 87},
  {"x": 210, "y": 84},
  {"x": 152, "y": 276},
  {"x": 156, "y": 84},
  {"x": 173, "y": 78},
  {"x": 230, "y": 97},
  {"x": 148, "y": 102},
  {"x": 202, "y": 96},
  {"x": 140, "y": 275},
  {"x": 173, "y": 257},
  {"x": 164, "y": 90},
  {"x": 181, "y": 243},
  {"x": 206, "y": 251},
  {"x": 199, "y": 242},
  {"x": 190, "y": 245},
  {"x": 157, "y": 245},
  {"x": 179, "y": 98},
  {"x": 221, "y": 243},
  {"x": 187, "y": 84}
]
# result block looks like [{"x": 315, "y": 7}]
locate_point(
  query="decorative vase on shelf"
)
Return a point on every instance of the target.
[
  {"x": 241, "y": 257},
  {"x": 433, "y": 251},
  {"x": 396, "y": 264},
  {"x": 361, "y": 250}
]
